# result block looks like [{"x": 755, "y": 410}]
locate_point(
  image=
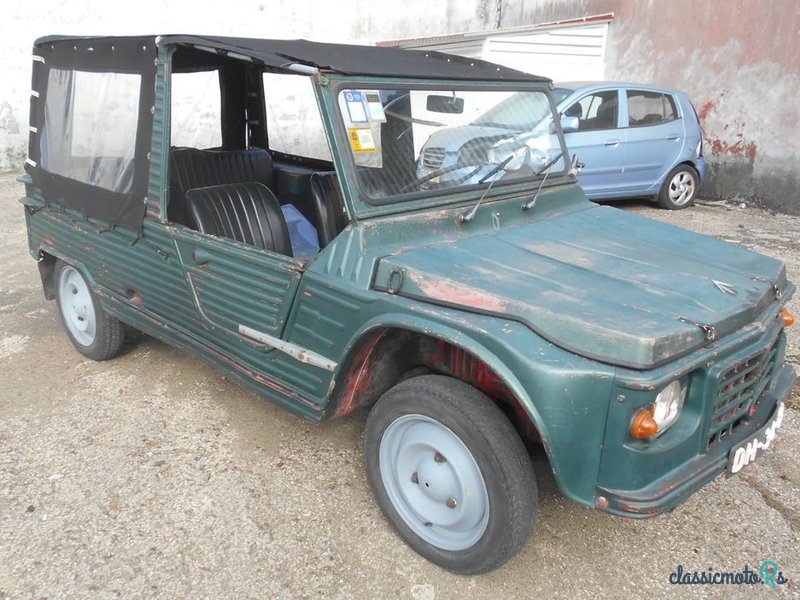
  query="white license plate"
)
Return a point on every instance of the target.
[{"x": 745, "y": 452}]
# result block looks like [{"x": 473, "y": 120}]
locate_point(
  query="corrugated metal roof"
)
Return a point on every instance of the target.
[{"x": 471, "y": 35}]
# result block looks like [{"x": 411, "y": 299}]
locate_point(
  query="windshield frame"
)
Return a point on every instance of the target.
[{"x": 363, "y": 204}]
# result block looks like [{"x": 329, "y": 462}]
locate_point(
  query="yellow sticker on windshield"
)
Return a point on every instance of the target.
[{"x": 361, "y": 139}]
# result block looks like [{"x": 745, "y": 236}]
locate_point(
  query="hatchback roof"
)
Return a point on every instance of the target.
[
  {"x": 338, "y": 58},
  {"x": 587, "y": 85}
]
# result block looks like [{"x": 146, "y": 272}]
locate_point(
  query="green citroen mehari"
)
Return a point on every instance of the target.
[{"x": 274, "y": 208}]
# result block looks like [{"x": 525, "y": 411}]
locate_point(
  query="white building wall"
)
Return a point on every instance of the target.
[{"x": 572, "y": 53}]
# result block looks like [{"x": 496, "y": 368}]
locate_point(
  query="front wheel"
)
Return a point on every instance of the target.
[
  {"x": 679, "y": 188},
  {"x": 450, "y": 473},
  {"x": 93, "y": 332}
]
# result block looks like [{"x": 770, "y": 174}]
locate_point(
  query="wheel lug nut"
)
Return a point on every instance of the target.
[
  {"x": 439, "y": 458},
  {"x": 452, "y": 502},
  {"x": 414, "y": 478}
]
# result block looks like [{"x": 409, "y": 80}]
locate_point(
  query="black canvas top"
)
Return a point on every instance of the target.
[
  {"x": 341, "y": 58},
  {"x": 138, "y": 54}
]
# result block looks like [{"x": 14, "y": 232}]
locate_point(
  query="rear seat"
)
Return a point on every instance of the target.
[{"x": 193, "y": 168}]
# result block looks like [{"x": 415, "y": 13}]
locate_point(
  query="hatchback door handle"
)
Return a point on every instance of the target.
[
  {"x": 673, "y": 137},
  {"x": 612, "y": 143}
]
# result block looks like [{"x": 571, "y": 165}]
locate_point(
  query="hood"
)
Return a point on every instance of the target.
[{"x": 602, "y": 283}]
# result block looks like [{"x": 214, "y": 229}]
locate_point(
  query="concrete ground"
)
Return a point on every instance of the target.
[{"x": 151, "y": 475}]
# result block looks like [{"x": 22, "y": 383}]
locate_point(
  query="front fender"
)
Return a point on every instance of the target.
[
  {"x": 456, "y": 337},
  {"x": 565, "y": 397}
]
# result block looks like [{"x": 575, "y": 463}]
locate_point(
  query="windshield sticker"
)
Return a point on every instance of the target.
[
  {"x": 375, "y": 107},
  {"x": 361, "y": 140},
  {"x": 355, "y": 107}
]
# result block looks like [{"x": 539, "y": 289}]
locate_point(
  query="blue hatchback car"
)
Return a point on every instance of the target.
[{"x": 634, "y": 140}]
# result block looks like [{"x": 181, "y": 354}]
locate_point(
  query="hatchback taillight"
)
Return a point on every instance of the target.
[{"x": 700, "y": 126}]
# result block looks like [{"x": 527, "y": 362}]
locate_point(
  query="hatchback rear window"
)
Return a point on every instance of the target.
[{"x": 650, "y": 108}]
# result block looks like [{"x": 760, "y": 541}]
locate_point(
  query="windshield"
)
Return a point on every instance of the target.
[{"x": 420, "y": 140}]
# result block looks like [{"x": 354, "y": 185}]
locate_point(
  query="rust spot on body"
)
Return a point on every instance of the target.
[
  {"x": 455, "y": 293},
  {"x": 359, "y": 378}
]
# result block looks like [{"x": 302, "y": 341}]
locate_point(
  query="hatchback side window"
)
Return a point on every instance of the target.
[
  {"x": 595, "y": 111},
  {"x": 650, "y": 108}
]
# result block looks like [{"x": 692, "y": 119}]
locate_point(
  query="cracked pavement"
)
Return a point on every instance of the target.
[{"x": 153, "y": 476}]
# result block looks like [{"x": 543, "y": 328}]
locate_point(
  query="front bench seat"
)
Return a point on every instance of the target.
[
  {"x": 245, "y": 212},
  {"x": 195, "y": 168},
  {"x": 327, "y": 206}
]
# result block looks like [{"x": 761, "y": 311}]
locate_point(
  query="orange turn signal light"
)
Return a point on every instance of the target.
[
  {"x": 788, "y": 318},
  {"x": 644, "y": 425}
]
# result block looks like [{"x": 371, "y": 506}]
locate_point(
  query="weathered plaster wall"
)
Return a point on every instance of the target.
[{"x": 739, "y": 60}]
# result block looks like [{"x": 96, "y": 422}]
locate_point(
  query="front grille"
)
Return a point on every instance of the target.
[
  {"x": 741, "y": 386},
  {"x": 432, "y": 158}
]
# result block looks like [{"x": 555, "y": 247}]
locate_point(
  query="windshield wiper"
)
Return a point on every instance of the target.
[
  {"x": 545, "y": 168},
  {"x": 470, "y": 214},
  {"x": 413, "y": 120}
]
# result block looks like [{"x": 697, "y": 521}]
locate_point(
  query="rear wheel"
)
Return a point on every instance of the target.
[
  {"x": 450, "y": 473},
  {"x": 679, "y": 188},
  {"x": 94, "y": 333}
]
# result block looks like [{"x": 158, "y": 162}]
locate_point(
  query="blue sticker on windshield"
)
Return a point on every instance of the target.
[{"x": 355, "y": 107}]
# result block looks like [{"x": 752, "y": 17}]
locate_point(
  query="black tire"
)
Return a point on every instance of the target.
[
  {"x": 132, "y": 334},
  {"x": 680, "y": 188},
  {"x": 109, "y": 331},
  {"x": 497, "y": 450}
]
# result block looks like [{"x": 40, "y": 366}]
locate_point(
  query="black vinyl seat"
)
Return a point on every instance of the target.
[
  {"x": 327, "y": 206},
  {"x": 192, "y": 168},
  {"x": 245, "y": 212}
]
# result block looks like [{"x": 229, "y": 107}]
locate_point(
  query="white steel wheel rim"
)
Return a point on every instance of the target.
[
  {"x": 77, "y": 307},
  {"x": 681, "y": 188},
  {"x": 434, "y": 482}
]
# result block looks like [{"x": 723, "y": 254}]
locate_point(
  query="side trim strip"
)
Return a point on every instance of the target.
[{"x": 297, "y": 352}]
